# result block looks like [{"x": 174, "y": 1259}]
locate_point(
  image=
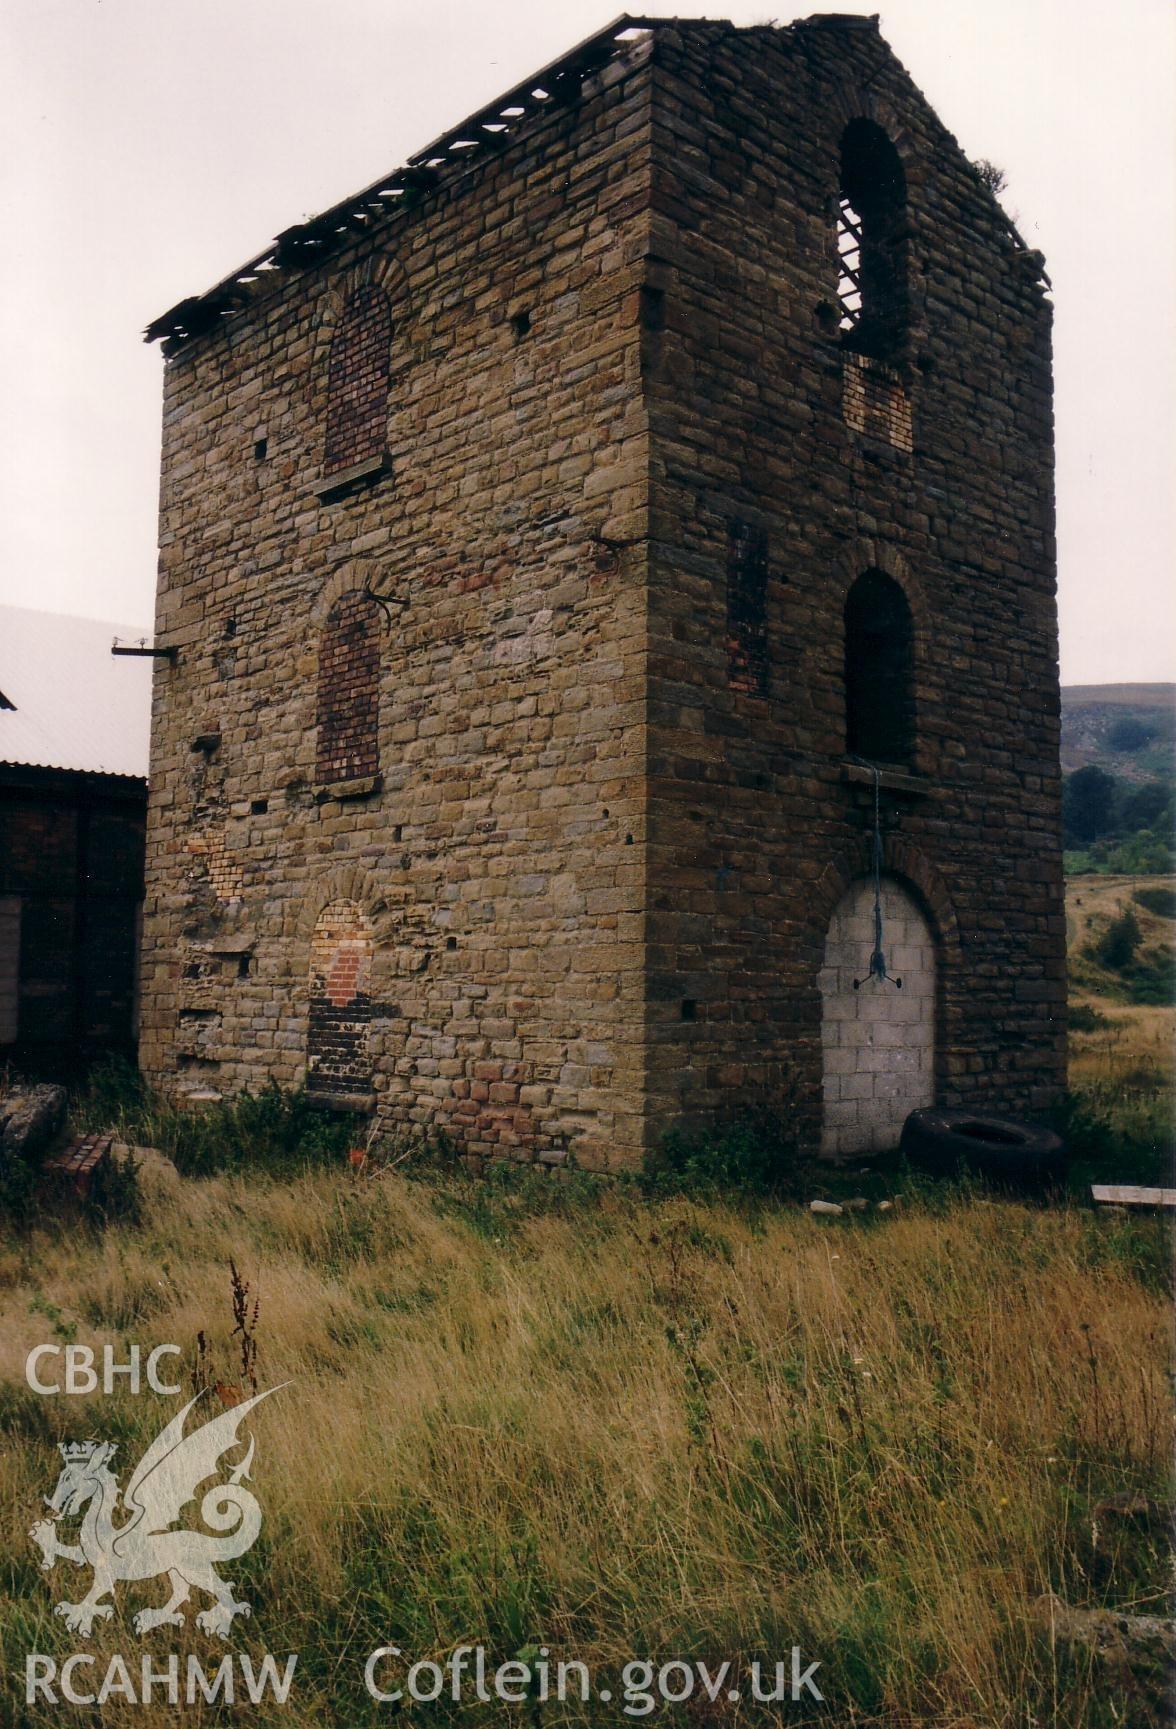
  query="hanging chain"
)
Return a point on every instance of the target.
[{"x": 877, "y": 968}]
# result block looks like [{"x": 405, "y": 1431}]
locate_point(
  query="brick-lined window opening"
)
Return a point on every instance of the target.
[
  {"x": 348, "y": 691},
  {"x": 357, "y": 384},
  {"x": 747, "y": 609},
  {"x": 338, "y": 1062},
  {"x": 879, "y": 669},
  {"x": 871, "y": 243}
]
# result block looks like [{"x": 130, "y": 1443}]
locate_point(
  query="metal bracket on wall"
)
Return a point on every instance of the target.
[
  {"x": 143, "y": 648},
  {"x": 389, "y": 602}
]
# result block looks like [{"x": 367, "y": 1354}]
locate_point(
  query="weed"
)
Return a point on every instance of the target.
[
  {"x": 274, "y": 1130},
  {"x": 1114, "y": 1135},
  {"x": 19, "y": 1178},
  {"x": 113, "y": 1192},
  {"x": 754, "y": 1156},
  {"x": 245, "y": 1320},
  {"x": 1159, "y": 899}
]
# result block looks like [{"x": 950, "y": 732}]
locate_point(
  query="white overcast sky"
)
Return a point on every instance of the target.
[{"x": 149, "y": 146}]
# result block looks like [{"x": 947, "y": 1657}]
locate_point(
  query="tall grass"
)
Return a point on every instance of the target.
[
  {"x": 276, "y": 1129},
  {"x": 526, "y": 1412}
]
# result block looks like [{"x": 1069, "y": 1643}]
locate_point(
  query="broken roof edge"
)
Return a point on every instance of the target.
[
  {"x": 306, "y": 243},
  {"x": 488, "y": 129}
]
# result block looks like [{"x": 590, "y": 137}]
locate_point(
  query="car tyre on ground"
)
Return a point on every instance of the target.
[{"x": 1000, "y": 1149}]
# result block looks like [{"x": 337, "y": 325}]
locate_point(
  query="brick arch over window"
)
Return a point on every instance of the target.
[
  {"x": 357, "y": 384},
  {"x": 348, "y": 708},
  {"x": 872, "y": 242},
  {"x": 879, "y": 671}
]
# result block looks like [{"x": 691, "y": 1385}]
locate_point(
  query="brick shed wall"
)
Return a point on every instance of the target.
[
  {"x": 938, "y": 471},
  {"x": 498, "y": 853},
  {"x": 71, "y": 884}
]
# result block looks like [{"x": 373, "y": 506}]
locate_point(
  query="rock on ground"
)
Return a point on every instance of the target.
[{"x": 29, "y": 1119}]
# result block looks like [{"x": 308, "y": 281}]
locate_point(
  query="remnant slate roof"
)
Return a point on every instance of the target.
[{"x": 65, "y": 701}]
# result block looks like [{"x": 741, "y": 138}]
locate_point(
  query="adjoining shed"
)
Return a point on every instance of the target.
[{"x": 74, "y": 726}]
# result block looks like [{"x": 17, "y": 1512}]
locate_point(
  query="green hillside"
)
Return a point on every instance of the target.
[
  {"x": 1127, "y": 729},
  {"x": 1119, "y": 768}
]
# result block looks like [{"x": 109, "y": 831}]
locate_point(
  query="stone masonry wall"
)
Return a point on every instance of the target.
[
  {"x": 935, "y": 468},
  {"x": 494, "y": 858},
  {"x": 598, "y": 555}
]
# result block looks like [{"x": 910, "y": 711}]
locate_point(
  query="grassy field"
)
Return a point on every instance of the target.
[
  {"x": 526, "y": 1412},
  {"x": 1121, "y": 1048}
]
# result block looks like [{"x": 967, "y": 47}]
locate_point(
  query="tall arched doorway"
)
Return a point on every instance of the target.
[{"x": 878, "y": 1041}]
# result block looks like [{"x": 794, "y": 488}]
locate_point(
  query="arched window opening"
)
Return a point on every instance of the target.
[
  {"x": 879, "y": 669},
  {"x": 357, "y": 381},
  {"x": 348, "y": 745},
  {"x": 871, "y": 242}
]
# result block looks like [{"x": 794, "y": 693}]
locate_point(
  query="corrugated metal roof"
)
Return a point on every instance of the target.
[{"x": 74, "y": 705}]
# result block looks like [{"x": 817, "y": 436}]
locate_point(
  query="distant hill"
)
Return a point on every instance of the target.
[{"x": 1127, "y": 729}]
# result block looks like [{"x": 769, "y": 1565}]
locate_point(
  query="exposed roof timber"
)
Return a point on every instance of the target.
[{"x": 488, "y": 130}]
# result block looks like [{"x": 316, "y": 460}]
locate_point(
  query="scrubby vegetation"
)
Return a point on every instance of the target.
[
  {"x": 280, "y": 1131},
  {"x": 529, "y": 1411},
  {"x": 1118, "y": 826},
  {"x": 672, "y": 1417},
  {"x": 1121, "y": 942},
  {"x": 1119, "y": 1116},
  {"x": 1160, "y": 900}
]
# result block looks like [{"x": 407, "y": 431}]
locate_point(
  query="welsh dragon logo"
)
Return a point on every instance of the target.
[{"x": 166, "y": 1478}]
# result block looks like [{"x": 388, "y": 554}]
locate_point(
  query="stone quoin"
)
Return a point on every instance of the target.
[{"x": 569, "y": 546}]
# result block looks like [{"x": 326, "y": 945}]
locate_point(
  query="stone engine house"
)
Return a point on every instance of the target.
[{"x": 574, "y": 549}]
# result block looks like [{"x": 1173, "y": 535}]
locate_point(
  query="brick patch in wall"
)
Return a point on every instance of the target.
[
  {"x": 747, "y": 608},
  {"x": 875, "y": 401},
  {"x": 357, "y": 390},
  {"x": 338, "y": 1058},
  {"x": 348, "y": 692},
  {"x": 223, "y": 873}
]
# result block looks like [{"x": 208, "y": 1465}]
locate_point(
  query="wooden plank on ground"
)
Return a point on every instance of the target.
[{"x": 1129, "y": 1195}]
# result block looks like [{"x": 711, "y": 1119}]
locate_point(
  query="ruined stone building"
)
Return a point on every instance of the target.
[{"x": 552, "y": 537}]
